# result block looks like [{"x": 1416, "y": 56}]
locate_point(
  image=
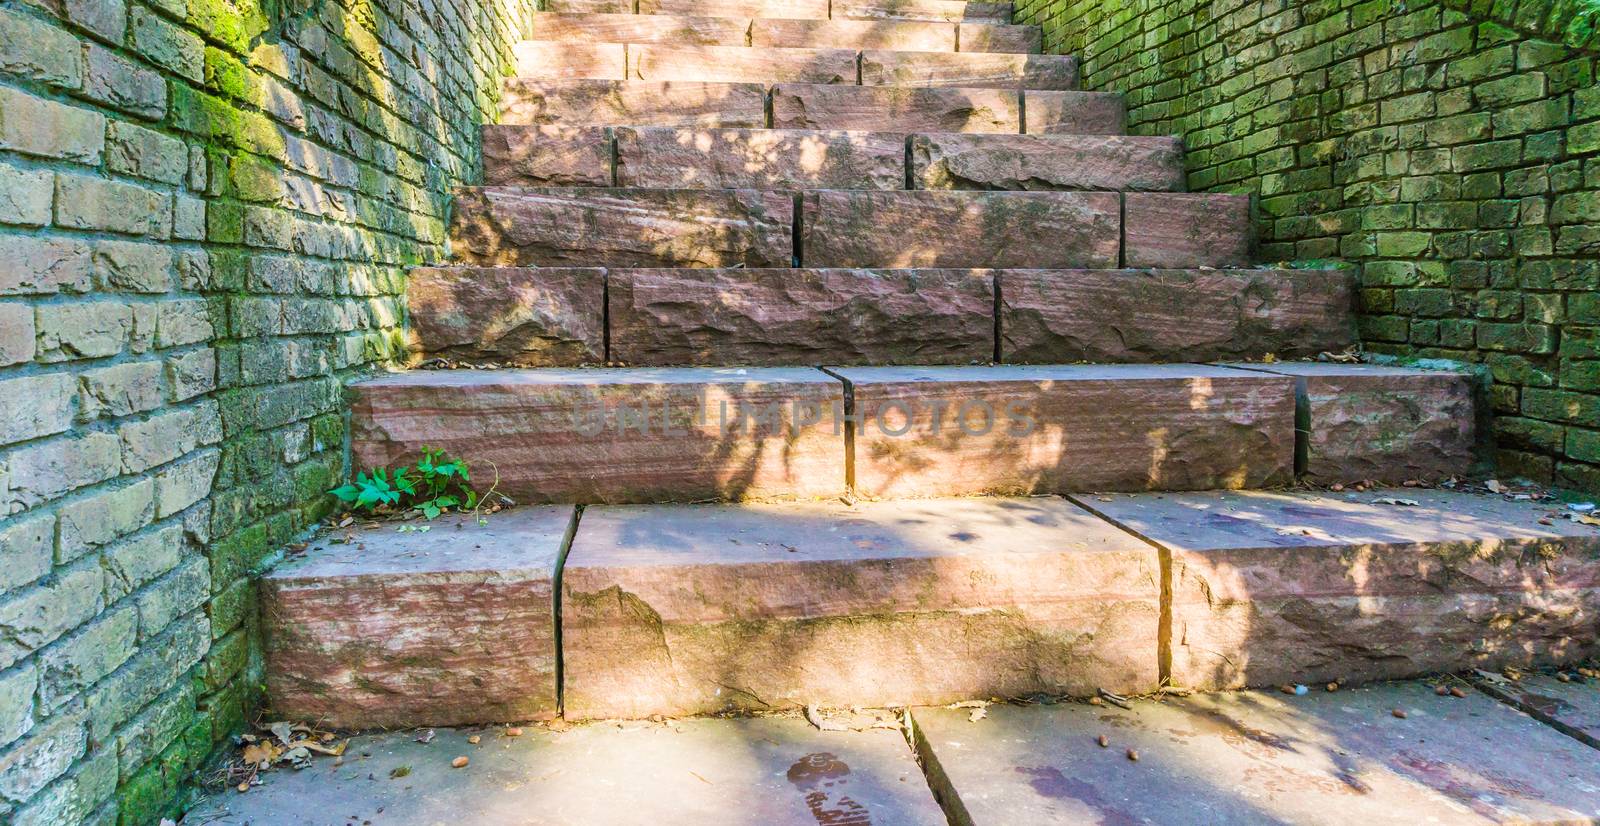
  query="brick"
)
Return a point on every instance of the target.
[
  {"x": 78, "y": 661},
  {"x": 25, "y": 195},
  {"x": 122, "y": 84},
  {"x": 168, "y": 435},
  {"x": 191, "y": 374},
  {"x": 43, "y": 266},
  {"x": 83, "y": 330},
  {"x": 31, "y": 619},
  {"x": 131, "y": 563},
  {"x": 77, "y": 796},
  {"x": 188, "y": 218},
  {"x": 41, "y": 757},
  {"x": 103, "y": 517},
  {"x": 177, "y": 593},
  {"x": 146, "y": 735},
  {"x": 133, "y": 267},
  {"x": 43, "y": 471},
  {"x": 167, "y": 45},
  {"x": 27, "y": 549},
  {"x": 34, "y": 49},
  {"x": 16, "y": 333},
  {"x": 35, "y": 126},
  {"x": 83, "y": 202},
  {"x": 183, "y": 321},
  {"x": 149, "y": 673},
  {"x": 106, "y": 18},
  {"x": 34, "y": 406},
  {"x": 17, "y": 688},
  {"x": 146, "y": 153}
]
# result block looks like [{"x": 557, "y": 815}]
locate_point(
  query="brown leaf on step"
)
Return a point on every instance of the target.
[
  {"x": 474, "y": 739},
  {"x": 977, "y": 714},
  {"x": 426, "y": 737},
  {"x": 260, "y": 754},
  {"x": 283, "y": 730}
]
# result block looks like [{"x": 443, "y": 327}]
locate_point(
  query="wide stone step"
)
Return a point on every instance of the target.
[
  {"x": 956, "y": 11},
  {"x": 952, "y": 431},
  {"x": 568, "y": 103},
  {"x": 660, "y": 29},
  {"x": 638, "y": 435},
  {"x": 969, "y": 69},
  {"x": 708, "y": 608},
  {"x": 557, "y": 317},
  {"x": 732, "y": 64},
  {"x": 721, "y": 158},
  {"x": 949, "y": 11},
  {"x": 591, "y": 27}
]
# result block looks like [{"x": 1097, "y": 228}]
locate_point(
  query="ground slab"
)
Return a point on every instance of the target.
[
  {"x": 1571, "y": 707},
  {"x": 1257, "y": 758},
  {"x": 756, "y": 771}
]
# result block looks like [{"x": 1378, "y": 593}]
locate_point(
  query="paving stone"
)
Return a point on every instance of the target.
[
  {"x": 1272, "y": 588},
  {"x": 959, "y": 229},
  {"x": 769, "y": 771},
  {"x": 637, "y": 435},
  {"x": 1067, "y": 316},
  {"x": 988, "y": 37},
  {"x": 545, "y": 317},
  {"x": 935, "y": 431},
  {"x": 1391, "y": 424},
  {"x": 1085, "y": 113},
  {"x": 735, "y": 64},
  {"x": 705, "y": 608},
  {"x": 917, "y": 36},
  {"x": 1054, "y": 162},
  {"x": 894, "y": 108},
  {"x": 571, "y": 61},
  {"x": 1254, "y": 758},
  {"x": 455, "y": 625},
  {"x": 1573, "y": 707},
  {"x": 954, "y": 11},
  {"x": 800, "y": 316},
  {"x": 760, "y": 158},
  {"x": 971, "y": 69},
  {"x": 529, "y": 101},
  {"x": 546, "y": 156},
  {"x": 622, "y": 227},
  {"x": 639, "y": 28},
  {"x": 1168, "y": 229},
  {"x": 792, "y": 9}
]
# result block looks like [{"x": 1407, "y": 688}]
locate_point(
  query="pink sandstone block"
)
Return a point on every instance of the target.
[
  {"x": 894, "y": 108},
  {"x": 990, "y": 37},
  {"x": 953, "y": 11},
  {"x": 969, "y": 69},
  {"x": 546, "y": 156},
  {"x": 548, "y": 317},
  {"x": 622, "y": 227},
  {"x": 449, "y": 627},
  {"x": 571, "y": 61},
  {"x": 804, "y": 9},
  {"x": 701, "y": 609},
  {"x": 1169, "y": 229},
  {"x": 635, "y": 435},
  {"x": 640, "y": 28},
  {"x": 1067, "y": 316},
  {"x": 801, "y": 316},
  {"x": 734, "y": 64},
  {"x": 617, "y": 103},
  {"x": 1273, "y": 588},
  {"x": 1047, "y": 162},
  {"x": 918, "y": 36},
  {"x": 959, "y": 229},
  {"x": 760, "y": 159},
  {"x": 1083, "y": 113},
  {"x": 955, "y": 431}
]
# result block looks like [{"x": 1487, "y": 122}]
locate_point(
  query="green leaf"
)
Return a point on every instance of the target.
[
  {"x": 430, "y": 511},
  {"x": 346, "y": 493}
]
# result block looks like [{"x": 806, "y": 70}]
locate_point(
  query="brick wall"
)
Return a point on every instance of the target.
[
  {"x": 1445, "y": 149},
  {"x": 206, "y": 208}
]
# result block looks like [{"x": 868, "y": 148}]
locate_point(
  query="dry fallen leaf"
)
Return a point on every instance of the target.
[
  {"x": 977, "y": 714},
  {"x": 474, "y": 739}
]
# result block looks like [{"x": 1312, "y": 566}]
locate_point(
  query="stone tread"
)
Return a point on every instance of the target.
[
  {"x": 657, "y": 29},
  {"x": 948, "y": 11}
]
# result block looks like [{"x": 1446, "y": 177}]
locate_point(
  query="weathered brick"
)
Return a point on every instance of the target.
[
  {"x": 16, "y": 333},
  {"x": 146, "y": 735},
  {"x": 167, "y": 45},
  {"x": 27, "y": 549},
  {"x": 33, "y": 618},
  {"x": 36, "y": 126},
  {"x": 184, "y": 321},
  {"x": 191, "y": 374},
  {"x": 129, "y": 266},
  {"x": 188, "y": 218},
  {"x": 123, "y": 84},
  {"x": 149, "y": 673},
  {"x": 146, "y": 153},
  {"x": 79, "y": 660},
  {"x": 78, "y": 796},
  {"x": 177, "y": 593},
  {"x": 83, "y": 202},
  {"x": 34, "y": 49},
  {"x": 184, "y": 483},
  {"x": 132, "y": 562},
  {"x": 25, "y": 195},
  {"x": 88, "y": 329},
  {"x": 17, "y": 687},
  {"x": 168, "y": 435},
  {"x": 40, "y": 757},
  {"x": 34, "y": 406},
  {"x": 42, "y": 266},
  {"x": 102, "y": 517},
  {"x": 43, "y": 471}
]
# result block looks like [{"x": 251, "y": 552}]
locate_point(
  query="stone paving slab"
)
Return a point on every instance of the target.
[
  {"x": 1270, "y": 588},
  {"x": 1258, "y": 758},
  {"x": 760, "y": 772},
  {"x": 1572, "y": 708}
]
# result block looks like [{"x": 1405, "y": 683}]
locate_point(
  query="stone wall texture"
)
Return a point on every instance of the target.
[
  {"x": 206, "y": 211},
  {"x": 1450, "y": 149}
]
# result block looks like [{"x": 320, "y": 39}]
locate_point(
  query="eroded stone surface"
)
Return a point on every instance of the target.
[
  {"x": 959, "y": 229},
  {"x": 1572, "y": 707},
  {"x": 1083, "y": 113},
  {"x": 894, "y": 108},
  {"x": 447, "y": 627},
  {"x": 546, "y": 156},
  {"x": 768, "y": 771},
  {"x": 740, "y": 64},
  {"x": 1067, "y": 316},
  {"x": 802, "y": 9},
  {"x": 1261, "y": 759},
  {"x": 799, "y": 316},
  {"x": 1053, "y": 162},
  {"x": 1391, "y": 424},
  {"x": 921, "y": 36},
  {"x": 1168, "y": 229},
  {"x": 622, "y": 227},
  {"x": 937, "y": 431},
  {"x": 589, "y": 6},
  {"x": 694, "y": 609},
  {"x": 615, "y": 103},
  {"x": 954, "y": 11},
  {"x": 988, "y": 37},
  {"x": 760, "y": 158},
  {"x": 637, "y": 435},
  {"x": 547, "y": 317},
  {"x": 1271, "y": 588},
  {"x": 640, "y": 28},
  {"x": 571, "y": 61},
  {"x": 972, "y": 69}
]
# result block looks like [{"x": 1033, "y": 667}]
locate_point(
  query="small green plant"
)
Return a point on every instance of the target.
[{"x": 437, "y": 483}]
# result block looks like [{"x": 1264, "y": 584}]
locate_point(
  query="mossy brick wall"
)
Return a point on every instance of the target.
[
  {"x": 206, "y": 209},
  {"x": 1450, "y": 150}
]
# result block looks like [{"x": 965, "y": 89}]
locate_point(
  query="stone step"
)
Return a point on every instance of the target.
[
  {"x": 637, "y": 435},
  {"x": 572, "y": 61},
  {"x": 697, "y": 609},
  {"x": 557, "y": 317},
  {"x": 570, "y": 27},
  {"x": 661, "y": 29},
  {"x": 565, "y": 103},
  {"x": 1274, "y": 588},
  {"x": 734, "y": 64},
  {"x": 948, "y": 11},
  {"x": 804, "y": 9},
  {"x": 954, "y": 431},
  {"x": 969, "y": 69},
  {"x": 721, "y": 158},
  {"x": 631, "y": 227},
  {"x": 955, "y": 11}
]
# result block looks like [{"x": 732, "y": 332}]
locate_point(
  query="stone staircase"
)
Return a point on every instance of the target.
[{"x": 851, "y": 356}]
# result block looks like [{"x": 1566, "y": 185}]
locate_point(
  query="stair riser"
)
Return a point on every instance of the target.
[
  {"x": 809, "y": 106},
  {"x": 954, "y": 11},
  {"x": 814, "y": 159},
  {"x": 950, "y": 11},
  {"x": 917, "y": 36},
  {"x": 737, "y": 64}
]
